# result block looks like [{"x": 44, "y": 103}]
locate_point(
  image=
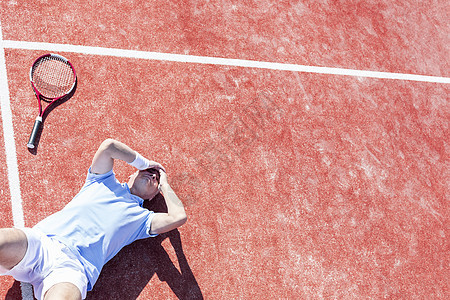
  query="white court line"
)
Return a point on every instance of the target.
[
  {"x": 217, "y": 61},
  {"x": 11, "y": 158},
  {"x": 10, "y": 146},
  {"x": 13, "y": 174}
]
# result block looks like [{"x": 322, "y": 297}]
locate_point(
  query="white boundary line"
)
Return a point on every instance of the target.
[
  {"x": 11, "y": 157},
  {"x": 6, "y": 113},
  {"x": 10, "y": 146},
  {"x": 216, "y": 61}
]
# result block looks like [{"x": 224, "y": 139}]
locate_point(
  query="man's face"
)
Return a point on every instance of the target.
[{"x": 144, "y": 184}]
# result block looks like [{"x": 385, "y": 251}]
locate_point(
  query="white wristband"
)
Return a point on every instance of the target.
[{"x": 140, "y": 162}]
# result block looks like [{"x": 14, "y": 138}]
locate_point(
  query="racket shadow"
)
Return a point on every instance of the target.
[{"x": 50, "y": 108}]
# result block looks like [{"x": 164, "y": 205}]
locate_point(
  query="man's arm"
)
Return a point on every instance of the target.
[
  {"x": 175, "y": 216},
  {"x": 110, "y": 150}
]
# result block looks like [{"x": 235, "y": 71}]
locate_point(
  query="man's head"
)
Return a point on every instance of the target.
[{"x": 145, "y": 183}]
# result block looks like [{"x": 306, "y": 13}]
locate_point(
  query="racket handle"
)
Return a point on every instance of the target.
[{"x": 35, "y": 133}]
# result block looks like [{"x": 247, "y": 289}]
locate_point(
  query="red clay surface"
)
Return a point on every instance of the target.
[
  {"x": 6, "y": 218},
  {"x": 400, "y": 36},
  {"x": 297, "y": 186}
]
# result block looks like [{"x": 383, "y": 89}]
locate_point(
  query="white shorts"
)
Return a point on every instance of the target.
[{"x": 46, "y": 263}]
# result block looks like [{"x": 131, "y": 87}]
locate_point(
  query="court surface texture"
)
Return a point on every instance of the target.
[{"x": 307, "y": 139}]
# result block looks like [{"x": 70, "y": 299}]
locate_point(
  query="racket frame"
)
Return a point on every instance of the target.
[{"x": 40, "y": 118}]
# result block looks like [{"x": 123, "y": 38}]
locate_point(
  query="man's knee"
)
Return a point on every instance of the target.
[
  {"x": 64, "y": 290},
  {"x": 13, "y": 246}
]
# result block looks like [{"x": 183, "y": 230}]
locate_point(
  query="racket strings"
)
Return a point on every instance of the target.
[{"x": 53, "y": 77}]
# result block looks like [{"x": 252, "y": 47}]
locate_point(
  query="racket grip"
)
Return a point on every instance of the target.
[{"x": 35, "y": 133}]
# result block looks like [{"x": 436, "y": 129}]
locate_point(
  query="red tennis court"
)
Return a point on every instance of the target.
[{"x": 297, "y": 184}]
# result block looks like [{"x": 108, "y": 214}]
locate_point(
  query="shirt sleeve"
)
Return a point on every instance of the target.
[
  {"x": 92, "y": 177},
  {"x": 149, "y": 224}
]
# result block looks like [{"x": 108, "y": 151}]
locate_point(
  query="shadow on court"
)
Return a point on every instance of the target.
[
  {"x": 14, "y": 293},
  {"x": 127, "y": 274}
]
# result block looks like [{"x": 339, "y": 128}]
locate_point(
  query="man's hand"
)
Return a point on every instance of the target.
[
  {"x": 156, "y": 165},
  {"x": 162, "y": 178}
]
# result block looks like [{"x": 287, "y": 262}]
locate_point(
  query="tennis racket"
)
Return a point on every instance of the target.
[{"x": 53, "y": 78}]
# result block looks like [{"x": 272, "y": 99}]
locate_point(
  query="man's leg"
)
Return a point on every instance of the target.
[
  {"x": 64, "y": 290},
  {"x": 13, "y": 247}
]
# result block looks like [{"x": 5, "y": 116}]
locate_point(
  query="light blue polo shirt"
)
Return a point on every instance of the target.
[{"x": 103, "y": 218}]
